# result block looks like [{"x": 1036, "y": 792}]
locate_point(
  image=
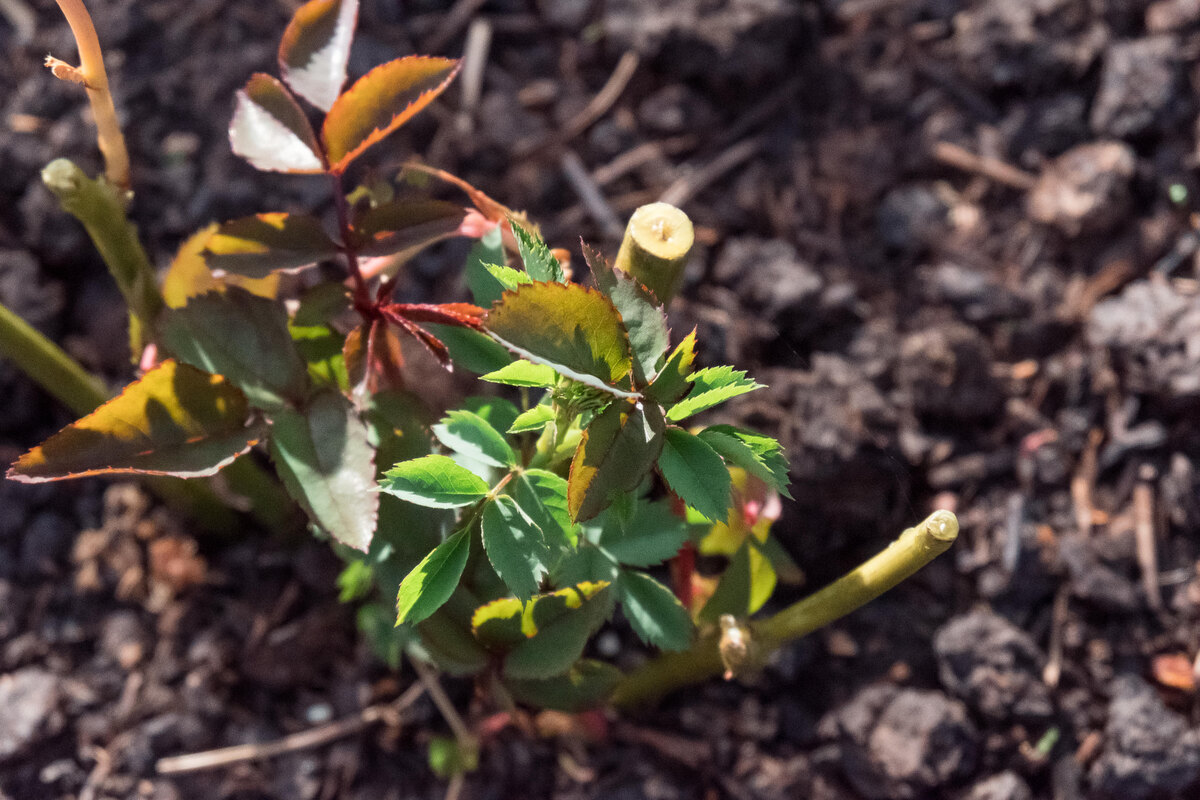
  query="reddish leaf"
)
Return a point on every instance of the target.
[
  {"x": 403, "y": 227},
  {"x": 462, "y": 314},
  {"x": 380, "y": 102},
  {"x": 271, "y": 132},
  {"x": 492, "y": 210},
  {"x": 254, "y": 247},
  {"x": 175, "y": 420},
  {"x": 315, "y": 49},
  {"x": 374, "y": 357},
  {"x": 431, "y": 342}
]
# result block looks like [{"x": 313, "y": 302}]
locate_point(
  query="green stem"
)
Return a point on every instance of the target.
[
  {"x": 47, "y": 363},
  {"x": 915, "y": 548},
  {"x": 98, "y": 205}
]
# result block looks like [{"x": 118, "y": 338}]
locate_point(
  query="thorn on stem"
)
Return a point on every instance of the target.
[{"x": 65, "y": 72}]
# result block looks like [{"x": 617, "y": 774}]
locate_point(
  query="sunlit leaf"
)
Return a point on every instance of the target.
[
  {"x": 618, "y": 448},
  {"x": 174, "y": 420},
  {"x": 759, "y": 455},
  {"x": 322, "y": 454},
  {"x": 696, "y": 473},
  {"x": 534, "y": 419},
  {"x": 515, "y": 545},
  {"x": 523, "y": 373},
  {"x": 745, "y": 585},
  {"x": 587, "y": 684},
  {"x": 189, "y": 275},
  {"x": 432, "y": 582},
  {"x": 559, "y": 626},
  {"x": 256, "y": 246},
  {"x": 380, "y": 102},
  {"x": 434, "y": 481},
  {"x": 543, "y": 496},
  {"x": 405, "y": 227},
  {"x": 539, "y": 261},
  {"x": 643, "y": 317},
  {"x": 711, "y": 387},
  {"x": 671, "y": 384},
  {"x": 498, "y": 624},
  {"x": 652, "y": 535},
  {"x": 316, "y": 47},
  {"x": 469, "y": 434},
  {"x": 575, "y": 330},
  {"x": 243, "y": 337},
  {"x": 488, "y": 250},
  {"x": 270, "y": 131},
  {"x": 656, "y": 615},
  {"x": 507, "y": 277}
]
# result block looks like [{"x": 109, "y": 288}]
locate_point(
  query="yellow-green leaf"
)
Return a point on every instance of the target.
[
  {"x": 316, "y": 47},
  {"x": 619, "y": 447},
  {"x": 380, "y": 102},
  {"x": 175, "y": 420},
  {"x": 189, "y": 275},
  {"x": 256, "y": 246},
  {"x": 270, "y": 131}
]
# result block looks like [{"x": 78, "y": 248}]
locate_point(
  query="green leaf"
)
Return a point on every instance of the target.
[
  {"x": 559, "y": 625},
  {"x": 656, "y": 615},
  {"x": 495, "y": 411},
  {"x": 485, "y": 289},
  {"x": 174, "y": 420},
  {"x": 586, "y": 564},
  {"x": 515, "y": 545},
  {"x": 245, "y": 338},
  {"x": 539, "y": 262},
  {"x": 448, "y": 757},
  {"x": 653, "y": 535},
  {"x": 710, "y": 387},
  {"x": 644, "y": 318},
  {"x": 431, "y": 582},
  {"x": 696, "y": 473},
  {"x": 377, "y": 628},
  {"x": 355, "y": 581},
  {"x": 271, "y": 131},
  {"x": 470, "y": 349},
  {"x": 543, "y": 496},
  {"x": 498, "y": 624},
  {"x": 617, "y": 450},
  {"x": 523, "y": 373},
  {"x": 759, "y": 455},
  {"x": 586, "y": 685},
  {"x": 472, "y": 436},
  {"x": 576, "y": 331},
  {"x": 315, "y": 49},
  {"x": 434, "y": 482},
  {"x": 507, "y": 277},
  {"x": 446, "y": 635},
  {"x": 380, "y": 102},
  {"x": 745, "y": 586},
  {"x": 405, "y": 227},
  {"x": 671, "y": 383},
  {"x": 322, "y": 454},
  {"x": 534, "y": 419},
  {"x": 321, "y": 348},
  {"x": 189, "y": 275},
  {"x": 256, "y": 246}
]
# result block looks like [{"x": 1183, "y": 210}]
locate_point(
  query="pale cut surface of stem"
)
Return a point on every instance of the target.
[
  {"x": 915, "y": 548},
  {"x": 91, "y": 66},
  {"x": 657, "y": 243}
]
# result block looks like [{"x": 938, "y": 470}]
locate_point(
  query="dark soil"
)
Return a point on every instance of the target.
[{"x": 942, "y": 232}]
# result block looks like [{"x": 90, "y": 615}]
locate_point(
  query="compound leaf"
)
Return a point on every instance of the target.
[
  {"x": 189, "y": 275},
  {"x": 559, "y": 626},
  {"x": 759, "y": 455},
  {"x": 543, "y": 496},
  {"x": 653, "y": 535},
  {"x": 643, "y": 317}
]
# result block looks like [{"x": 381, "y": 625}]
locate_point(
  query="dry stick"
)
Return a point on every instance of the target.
[
  {"x": 452, "y": 23},
  {"x": 642, "y": 154},
  {"x": 593, "y": 199},
  {"x": 91, "y": 67},
  {"x": 1058, "y": 621},
  {"x": 304, "y": 740},
  {"x": 1143, "y": 530},
  {"x": 999, "y": 171},
  {"x": 440, "y": 699},
  {"x": 594, "y": 110},
  {"x": 696, "y": 178},
  {"x": 475, "y": 55}
]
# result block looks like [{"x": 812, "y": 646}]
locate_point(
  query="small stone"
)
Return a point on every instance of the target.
[
  {"x": 1004, "y": 786},
  {"x": 1085, "y": 190},
  {"x": 29, "y": 710},
  {"x": 993, "y": 666},
  {"x": 769, "y": 275},
  {"x": 1148, "y": 750},
  {"x": 1094, "y": 582},
  {"x": 1137, "y": 85},
  {"x": 123, "y": 640}
]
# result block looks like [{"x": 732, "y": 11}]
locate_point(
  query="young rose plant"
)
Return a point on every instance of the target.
[{"x": 497, "y": 540}]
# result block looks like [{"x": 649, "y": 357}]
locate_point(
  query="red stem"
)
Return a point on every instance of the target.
[{"x": 362, "y": 297}]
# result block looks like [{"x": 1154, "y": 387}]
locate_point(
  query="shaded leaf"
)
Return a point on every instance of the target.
[
  {"x": 656, "y": 615},
  {"x": 745, "y": 585},
  {"x": 470, "y": 349},
  {"x": 644, "y": 318},
  {"x": 543, "y": 496},
  {"x": 575, "y": 330},
  {"x": 446, "y": 635},
  {"x": 651, "y": 536},
  {"x": 435, "y": 482},
  {"x": 256, "y": 246},
  {"x": 405, "y": 227},
  {"x": 559, "y": 626},
  {"x": 498, "y": 624},
  {"x": 536, "y": 255},
  {"x": 380, "y": 102},
  {"x": 696, "y": 473},
  {"x": 431, "y": 582},
  {"x": 671, "y": 383},
  {"x": 189, "y": 275},
  {"x": 174, "y": 420},
  {"x": 587, "y": 684},
  {"x": 270, "y": 130},
  {"x": 315, "y": 49},
  {"x": 759, "y": 455},
  {"x": 485, "y": 289},
  {"x": 617, "y": 450},
  {"x": 586, "y": 564},
  {"x": 374, "y": 358},
  {"x": 322, "y": 454},
  {"x": 246, "y": 339},
  {"x": 470, "y": 435},
  {"x": 534, "y": 419},
  {"x": 515, "y": 545},
  {"x": 495, "y": 411},
  {"x": 523, "y": 373},
  {"x": 709, "y": 388}
]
